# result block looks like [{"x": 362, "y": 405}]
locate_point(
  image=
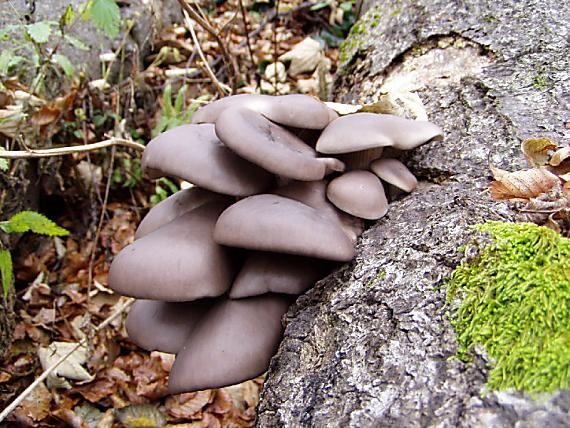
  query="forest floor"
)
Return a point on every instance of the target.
[{"x": 61, "y": 282}]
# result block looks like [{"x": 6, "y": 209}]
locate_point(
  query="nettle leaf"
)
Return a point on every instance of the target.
[
  {"x": 39, "y": 32},
  {"x": 6, "y": 268},
  {"x": 65, "y": 64},
  {"x": 106, "y": 16},
  {"x": 32, "y": 221}
]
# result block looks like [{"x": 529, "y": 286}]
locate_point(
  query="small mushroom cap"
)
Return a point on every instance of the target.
[
  {"x": 163, "y": 326},
  {"x": 257, "y": 139},
  {"x": 277, "y": 224},
  {"x": 234, "y": 342},
  {"x": 300, "y": 111},
  {"x": 178, "y": 262},
  {"x": 278, "y": 273},
  {"x": 194, "y": 153},
  {"x": 394, "y": 172},
  {"x": 314, "y": 194},
  {"x": 359, "y": 193},
  {"x": 363, "y": 131},
  {"x": 174, "y": 206}
]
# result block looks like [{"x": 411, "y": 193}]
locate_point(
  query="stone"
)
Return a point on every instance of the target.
[{"x": 372, "y": 345}]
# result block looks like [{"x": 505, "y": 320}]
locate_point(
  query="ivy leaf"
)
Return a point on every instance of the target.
[
  {"x": 39, "y": 32},
  {"x": 6, "y": 268},
  {"x": 32, "y": 221},
  {"x": 65, "y": 64},
  {"x": 106, "y": 16}
]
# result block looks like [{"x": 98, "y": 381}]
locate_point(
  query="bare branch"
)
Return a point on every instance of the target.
[{"x": 61, "y": 151}]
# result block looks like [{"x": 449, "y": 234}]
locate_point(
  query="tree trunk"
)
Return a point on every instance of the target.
[{"x": 371, "y": 344}]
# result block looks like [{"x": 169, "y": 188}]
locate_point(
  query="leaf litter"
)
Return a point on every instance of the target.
[{"x": 111, "y": 382}]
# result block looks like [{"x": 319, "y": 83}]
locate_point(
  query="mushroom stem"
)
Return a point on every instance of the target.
[{"x": 361, "y": 159}]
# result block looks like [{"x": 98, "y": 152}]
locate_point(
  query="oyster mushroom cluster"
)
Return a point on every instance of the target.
[{"x": 282, "y": 185}]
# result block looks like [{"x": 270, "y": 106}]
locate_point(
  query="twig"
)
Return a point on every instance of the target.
[
  {"x": 223, "y": 89},
  {"x": 246, "y": 28},
  {"x": 61, "y": 151},
  {"x": 223, "y": 48},
  {"x": 64, "y": 357}
]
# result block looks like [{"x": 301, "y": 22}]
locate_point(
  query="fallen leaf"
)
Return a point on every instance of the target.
[
  {"x": 71, "y": 368},
  {"x": 523, "y": 185},
  {"x": 185, "y": 406},
  {"x": 35, "y": 406},
  {"x": 536, "y": 150},
  {"x": 304, "y": 57}
]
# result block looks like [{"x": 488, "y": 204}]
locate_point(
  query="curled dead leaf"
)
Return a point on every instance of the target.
[
  {"x": 559, "y": 156},
  {"x": 536, "y": 151},
  {"x": 523, "y": 185}
]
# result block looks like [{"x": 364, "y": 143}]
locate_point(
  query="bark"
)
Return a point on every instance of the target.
[{"x": 371, "y": 345}]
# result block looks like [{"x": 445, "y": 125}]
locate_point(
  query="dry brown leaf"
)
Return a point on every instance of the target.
[
  {"x": 523, "y": 185},
  {"x": 35, "y": 406},
  {"x": 536, "y": 150},
  {"x": 559, "y": 156},
  {"x": 185, "y": 406}
]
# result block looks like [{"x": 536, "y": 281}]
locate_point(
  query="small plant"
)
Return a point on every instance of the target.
[
  {"x": 25, "y": 221},
  {"x": 162, "y": 190},
  {"x": 516, "y": 305}
]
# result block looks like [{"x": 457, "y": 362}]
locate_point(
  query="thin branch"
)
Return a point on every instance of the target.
[
  {"x": 246, "y": 28},
  {"x": 223, "y": 89},
  {"x": 61, "y": 151},
  {"x": 64, "y": 357},
  {"x": 223, "y": 48}
]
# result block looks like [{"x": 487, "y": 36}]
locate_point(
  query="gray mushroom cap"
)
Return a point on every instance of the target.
[
  {"x": 178, "y": 262},
  {"x": 155, "y": 325},
  {"x": 174, "y": 206},
  {"x": 314, "y": 194},
  {"x": 262, "y": 142},
  {"x": 277, "y": 224},
  {"x": 394, "y": 172},
  {"x": 300, "y": 111},
  {"x": 359, "y": 193},
  {"x": 363, "y": 131},
  {"x": 234, "y": 342},
  {"x": 194, "y": 153},
  {"x": 278, "y": 273}
]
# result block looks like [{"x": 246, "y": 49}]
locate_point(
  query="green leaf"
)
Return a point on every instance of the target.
[
  {"x": 320, "y": 5},
  {"x": 3, "y": 162},
  {"x": 76, "y": 43},
  {"x": 6, "y": 268},
  {"x": 65, "y": 64},
  {"x": 67, "y": 17},
  {"x": 25, "y": 221},
  {"x": 39, "y": 32},
  {"x": 106, "y": 16}
]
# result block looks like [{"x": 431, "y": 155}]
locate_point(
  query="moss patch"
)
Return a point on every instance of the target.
[{"x": 516, "y": 304}]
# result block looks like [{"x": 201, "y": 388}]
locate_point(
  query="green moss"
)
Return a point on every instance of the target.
[{"x": 516, "y": 304}]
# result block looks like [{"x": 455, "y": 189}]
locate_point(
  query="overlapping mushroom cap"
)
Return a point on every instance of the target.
[{"x": 216, "y": 274}]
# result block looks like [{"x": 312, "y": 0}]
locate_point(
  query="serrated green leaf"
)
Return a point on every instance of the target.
[
  {"x": 6, "y": 268},
  {"x": 39, "y": 32},
  {"x": 65, "y": 64},
  {"x": 76, "y": 43},
  {"x": 67, "y": 17},
  {"x": 106, "y": 16},
  {"x": 25, "y": 221}
]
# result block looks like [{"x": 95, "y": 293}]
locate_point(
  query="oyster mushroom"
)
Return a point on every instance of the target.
[
  {"x": 394, "y": 172},
  {"x": 277, "y": 224},
  {"x": 233, "y": 342},
  {"x": 179, "y": 261},
  {"x": 163, "y": 326},
  {"x": 194, "y": 153},
  {"x": 299, "y": 111},
  {"x": 262, "y": 142},
  {"x": 359, "y": 193}
]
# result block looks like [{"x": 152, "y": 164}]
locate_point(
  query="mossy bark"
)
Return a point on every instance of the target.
[{"x": 372, "y": 344}]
